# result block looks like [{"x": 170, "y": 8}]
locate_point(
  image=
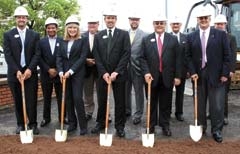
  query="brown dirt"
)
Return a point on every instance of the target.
[{"x": 90, "y": 145}]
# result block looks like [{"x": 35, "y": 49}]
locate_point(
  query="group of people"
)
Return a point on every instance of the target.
[{"x": 124, "y": 59}]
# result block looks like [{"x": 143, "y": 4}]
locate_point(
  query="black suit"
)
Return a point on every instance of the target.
[
  {"x": 115, "y": 61},
  {"x": 12, "y": 49},
  {"x": 180, "y": 88},
  {"x": 209, "y": 83},
  {"x": 162, "y": 84},
  {"x": 74, "y": 84},
  {"x": 48, "y": 61}
]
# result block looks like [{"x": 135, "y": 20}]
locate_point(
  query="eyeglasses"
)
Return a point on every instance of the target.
[
  {"x": 205, "y": 17},
  {"x": 159, "y": 22},
  {"x": 175, "y": 23}
]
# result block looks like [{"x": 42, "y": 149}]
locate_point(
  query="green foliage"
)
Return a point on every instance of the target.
[{"x": 39, "y": 11}]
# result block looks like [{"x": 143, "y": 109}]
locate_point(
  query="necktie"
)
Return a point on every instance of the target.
[
  {"x": 22, "y": 60},
  {"x": 160, "y": 52},
  {"x": 109, "y": 40},
  {"x": 91, "y": 38},
  {"x": 203, "y": 49},
  {"x": 132, "y": 35}
]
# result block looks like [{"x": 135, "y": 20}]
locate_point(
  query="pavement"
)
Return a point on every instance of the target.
[{"x": 180, "y": 130}]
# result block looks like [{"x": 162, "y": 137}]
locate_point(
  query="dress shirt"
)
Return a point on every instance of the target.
[
  {"x": 52, "y": 43},
  {"x": 207, "y": 31},
  {"x": 22, "y": 34}
]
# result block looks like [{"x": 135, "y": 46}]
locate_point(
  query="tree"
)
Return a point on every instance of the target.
[{"x": 39, "y": 11}]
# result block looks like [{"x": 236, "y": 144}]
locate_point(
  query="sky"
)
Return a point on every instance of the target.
[{"x": 146, "y": 9}]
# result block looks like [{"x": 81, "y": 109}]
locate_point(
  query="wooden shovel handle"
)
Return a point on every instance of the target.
[
  {"x": 108, "y": 104},
  {"x": 63, "y": 101},
  {"x": 24, "y": 104},
  {"x": 148, "y": 104},
  {"x": 195, "y": 99}
]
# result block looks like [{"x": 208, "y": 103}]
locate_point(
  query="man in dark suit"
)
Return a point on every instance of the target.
[
  {"x": 176, "y": 24},
  {"x": 22, "y": 58},
  {"x": 91, "y": 69},
  {"x": 49, "y": 47},
  {"x": 208, "y": 60},
  {"x": 112, "y": 53},
  {"x": 161, "y": 62},
  {"x": 220, "y": 22},
  {"x": 134, "y": 70}
]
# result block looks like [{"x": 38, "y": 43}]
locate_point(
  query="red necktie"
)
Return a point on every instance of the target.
[{"x": 159, "y": 42}]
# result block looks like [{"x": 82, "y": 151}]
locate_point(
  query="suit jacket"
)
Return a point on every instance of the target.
[
  {"x": 182, "y": 49},
  {"x": 118, "y": 57},
  {"x": 13, "y": 47},
  {"x": 136, "y": 51},
  {"x": 47, "y": 60},
  {"x": 171, "y": 59},
  {"x": 217, "y": 52},
  {"x": 76, "y": 59},
  {"x": 89, "y": 69}
]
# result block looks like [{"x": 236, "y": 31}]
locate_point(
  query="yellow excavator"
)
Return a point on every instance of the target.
[{"x": 230, "y": 8}]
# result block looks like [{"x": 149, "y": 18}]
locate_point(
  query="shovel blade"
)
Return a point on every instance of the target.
[
  {"x": 195, "y": 132},
  {"x": 60, "y": 135},
  {"x": 106, "y": 140},
  {"x": 26, "y": 136},
  {"x": 148, "y": 140}
]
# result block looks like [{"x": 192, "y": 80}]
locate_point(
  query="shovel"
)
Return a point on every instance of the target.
[
  {"x": 106, "y": 139},
  {"x": 195, "y": 130},
  {"x": 61, "y": 135},
  {"x": 148, "y": 139},
  {"x": 26, "y": 136}
]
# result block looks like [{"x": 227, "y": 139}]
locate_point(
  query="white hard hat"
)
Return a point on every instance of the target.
[
  {"x": 134, "y": 15},
  {"x": 72, "y": 19},
  {"x": 220, "y": 19},
  {"x": 160, "y": 18},
  {"x": 204, "y": 12},
  {"x": 92, "y": 18},
  {"x": 51, "y": 20},
  {"x": 21, "y": 11},
  {"x": 176, "y": 19},
  {"x": 110, "y": 12}
]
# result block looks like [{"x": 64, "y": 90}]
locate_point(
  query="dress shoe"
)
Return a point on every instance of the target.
[
  {"x": 179, "y": 117},
  {"x": 97, "y": 128},
  {"x": 83, "y": 131},
  {"x": 71, "y": 128},
  {"x": 88, "y": 117},
  {"x": 136, "y": 121},
  {"x": 120, "y": 132},
  {"x": 44, "y": 122},
  {"x": 34, "y": 129},
  {"x": 167, "y": 132},
  {"x": 217, "y": 136},
  {"x": 225, "y": 122},
  {"x": 18, "y": 129}
]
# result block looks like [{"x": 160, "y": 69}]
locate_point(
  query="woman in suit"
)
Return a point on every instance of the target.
[{"x": 71, "y": 66}]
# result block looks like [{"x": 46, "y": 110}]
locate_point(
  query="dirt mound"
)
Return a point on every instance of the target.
[{"x": 90, "y": 145}]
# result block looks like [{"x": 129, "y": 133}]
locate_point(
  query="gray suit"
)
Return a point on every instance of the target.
[{"x": 135, "y": 76}]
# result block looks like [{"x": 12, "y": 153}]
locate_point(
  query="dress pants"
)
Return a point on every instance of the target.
[
  {"x": 47, "y": 88},
  {"x": 161, "y": 102},
  {"x": 179, "y": 97},
  {"x": 31, "y": 86},
  {"x": 216, "y": 96},
  {"x": 88, "y": 88},
  {"x": 119, "y": 103},
  {"x": 137, "y": 82},
  {"x": 74, "y": 102}
]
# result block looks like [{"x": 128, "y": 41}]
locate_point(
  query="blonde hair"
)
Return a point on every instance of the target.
[{"x": 67, "y": 37}]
